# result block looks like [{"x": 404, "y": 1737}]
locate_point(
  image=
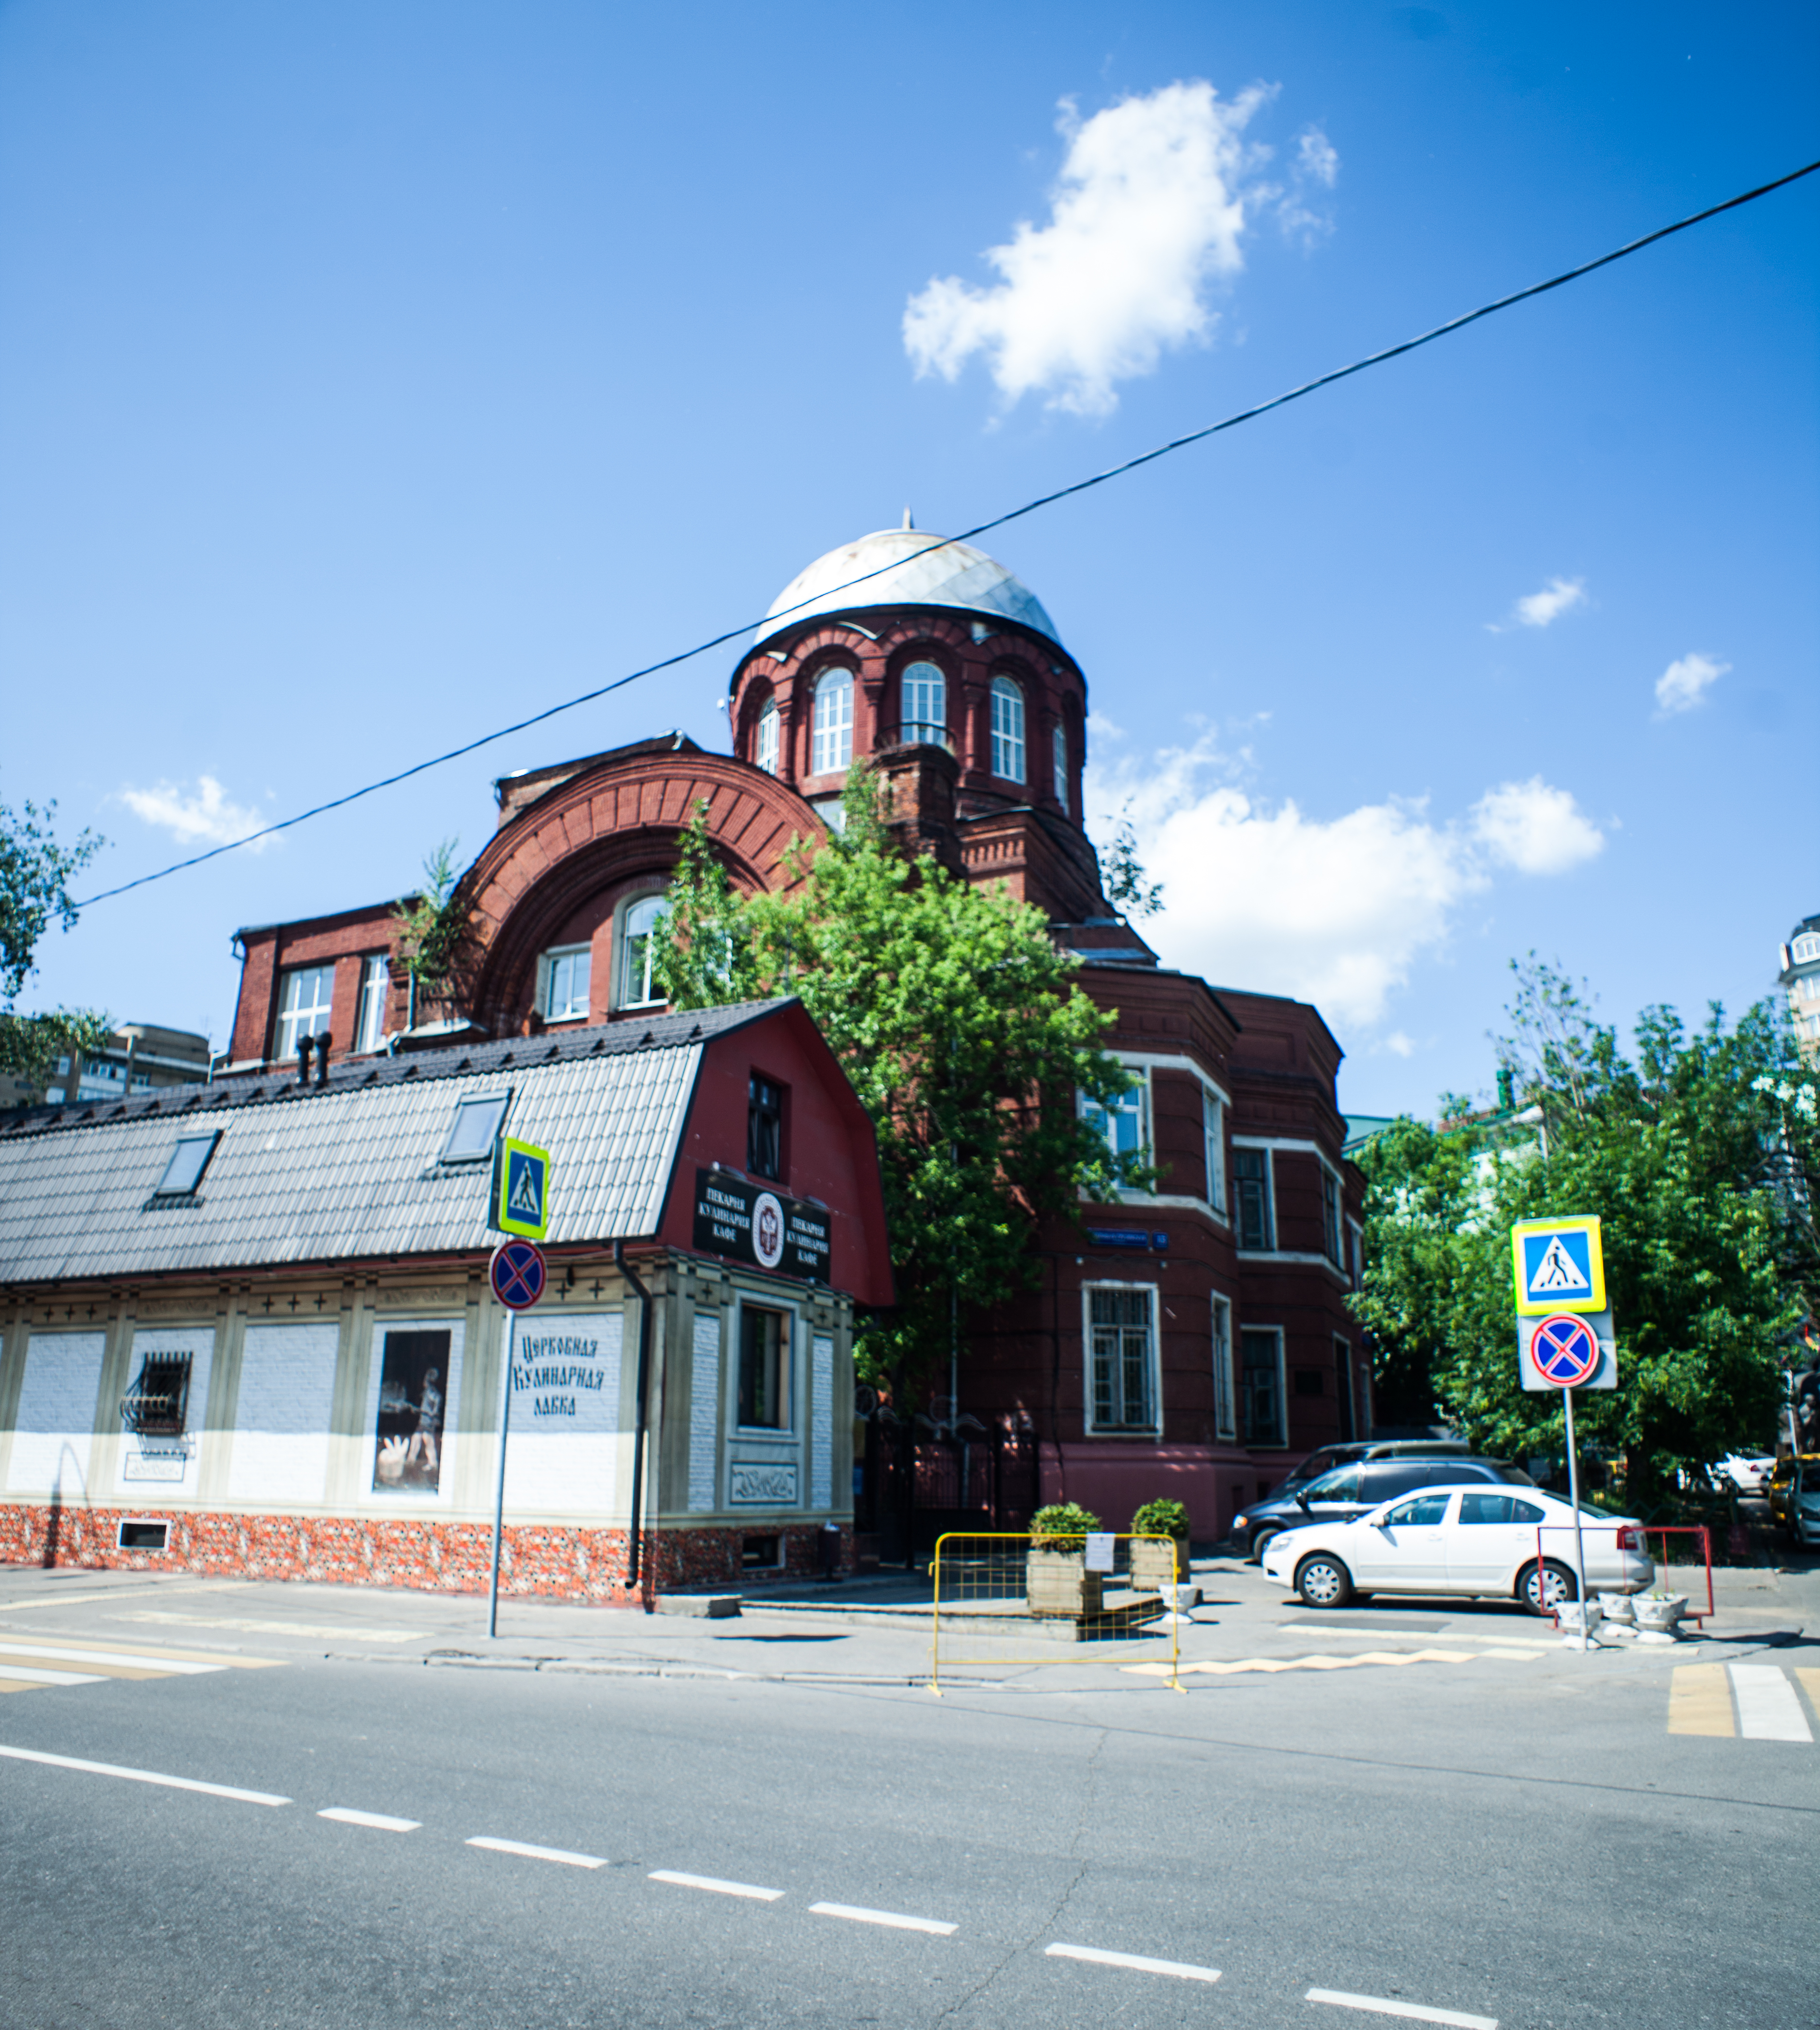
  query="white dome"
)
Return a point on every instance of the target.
[{"x": 905, "y": 567}]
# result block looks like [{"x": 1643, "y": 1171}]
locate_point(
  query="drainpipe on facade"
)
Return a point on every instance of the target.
[{"x": 633, "y": 1545}]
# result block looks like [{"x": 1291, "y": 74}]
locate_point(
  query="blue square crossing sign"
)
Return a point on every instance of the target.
[
  {"x": 1559, "y": 1265},
  {"x": 521, "y": 1201}
]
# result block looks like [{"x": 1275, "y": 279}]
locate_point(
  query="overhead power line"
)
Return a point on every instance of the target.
[{"x": 967, "y": 535}]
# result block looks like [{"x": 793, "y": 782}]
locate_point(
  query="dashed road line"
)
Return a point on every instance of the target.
[
  {"x": 518, "y": 1847},
  {"x": 896, "y": 1920},
  {"x": 145, "y": 1776},
  {"x": 347, "y": 1815},
  {"x": 714, "y": 1884},
  {"x": 1768, "y": 1709},
  {"x": 1136, "y": 1962},
  {"x": 1378, "y": 2005}
]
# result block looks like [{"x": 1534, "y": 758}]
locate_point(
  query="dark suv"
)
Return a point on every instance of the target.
[{"x": 1346, "y": 1492}]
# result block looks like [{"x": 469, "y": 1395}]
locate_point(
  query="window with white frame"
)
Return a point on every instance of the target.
[
  {"x": 1330, "y": 1228},
  {"x": 1253, "y": 1199},
  {"x": 375, "y": 987},
  {"x": 1806, "y": 946},
  {"x": 833, "y": 729},
  {"x": 1261, "y": 1391},
  {"x": 765, "y": 746},
  {"x": 1225, "y": 1424},
  {"x": 1122, "y": 1356},
  {"x": 1007, "y": 730},
  {"x": 306, "y": 994},
  {"x": 638, "y": 987},
  {"x": 568, "y": 972},
  {"x": 1213, "y": 1132},
  {"x": 1125, "y": 1121},
  {"x": 924, "y": 704},
  {"x": 1059, "y": 740}
]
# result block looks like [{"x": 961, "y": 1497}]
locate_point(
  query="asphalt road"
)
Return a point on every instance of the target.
[{"x": 1521, "y": 1843}]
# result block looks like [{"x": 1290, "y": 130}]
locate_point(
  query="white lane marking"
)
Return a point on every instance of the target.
[
  {"x": 714, "y": 1883},
  {"x": 1180, "y": 1968},
  {"x": 24, "y": 1672},
  {"x": 541, "y": 1853},
  {"x": 133, "y": 1659},
  {"x": 145, "y": 1776},
  {"x": 1414, "y": 2011},
  {"x": 314, "y": 1630},
  {"x": 895, "y": 1919},
  {"x": 1768, "y": 1709},
  {"x": 378, "y": 1821}
]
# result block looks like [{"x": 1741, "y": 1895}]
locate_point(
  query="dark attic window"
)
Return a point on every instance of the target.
[
  {"x": 764, "y": 1128},
  {"x": 474, "y": 1129},
  {"x": 190, "y": 1159}
]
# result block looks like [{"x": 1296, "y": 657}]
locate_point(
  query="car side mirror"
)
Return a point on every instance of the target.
[{"x": 1301, "y": 1501}]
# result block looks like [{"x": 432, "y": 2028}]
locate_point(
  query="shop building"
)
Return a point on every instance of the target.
[{"x": 247, "y": 1327}]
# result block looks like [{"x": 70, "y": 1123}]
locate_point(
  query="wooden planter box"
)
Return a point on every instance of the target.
[
  {"x": 1058, "y": 1582},
  {"x": 1155, "y": 1566}
]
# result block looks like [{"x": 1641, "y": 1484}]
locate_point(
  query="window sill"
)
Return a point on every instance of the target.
[
  {"x": 774, "y": 1432},
  {"x": 1152, "y": 1432}
]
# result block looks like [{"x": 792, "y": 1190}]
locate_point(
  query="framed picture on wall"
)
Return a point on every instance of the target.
[{"x": 412, "y": 1400}]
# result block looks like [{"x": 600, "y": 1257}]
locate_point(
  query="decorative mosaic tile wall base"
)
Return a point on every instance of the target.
[{"x": 558, "y": 1562}]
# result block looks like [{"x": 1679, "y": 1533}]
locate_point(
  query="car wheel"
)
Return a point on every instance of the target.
[
  {"x": 1261, "y": 1542},
  {"x": 1554, "y": 1587},
  {"x": 1323, "y": 1582}
]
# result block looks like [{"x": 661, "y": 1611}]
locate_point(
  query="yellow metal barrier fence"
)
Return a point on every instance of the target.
[{"x": 1007, "y": 1601}]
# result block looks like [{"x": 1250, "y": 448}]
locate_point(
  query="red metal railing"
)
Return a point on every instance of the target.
[{"x": 1620, "y": 1531}]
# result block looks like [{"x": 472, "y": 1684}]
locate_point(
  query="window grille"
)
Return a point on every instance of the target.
[
  {"x": 1251, "y": 1189},
  {"x": 157, "y": 1405},
  {"x": 833, "y": 736},
  {"x": 1007, "y": 730},
  {"x": 1123, "y": 1358}
]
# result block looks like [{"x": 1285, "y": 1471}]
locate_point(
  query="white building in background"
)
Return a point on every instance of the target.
[{"x": 1800, "y": 980}]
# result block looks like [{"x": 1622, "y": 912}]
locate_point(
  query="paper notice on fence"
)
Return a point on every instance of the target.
[{"x": 1099, "y": 1552}]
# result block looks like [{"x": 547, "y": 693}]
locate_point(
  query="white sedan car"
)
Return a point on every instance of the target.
[{"x": 1478, "y": 1540}]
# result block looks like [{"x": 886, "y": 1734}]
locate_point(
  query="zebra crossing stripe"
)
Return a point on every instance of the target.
[{"x": 1768, "y": 1709}]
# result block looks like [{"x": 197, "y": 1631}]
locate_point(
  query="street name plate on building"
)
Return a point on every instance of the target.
[
  {"x": 765, "y": 1486},
  {"x": 747, "y": 1223}
]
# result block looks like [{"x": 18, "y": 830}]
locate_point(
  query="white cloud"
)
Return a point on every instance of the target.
[
  {"x": 1150, "y": 211},
  {"x": 1535, "y": 829},
  {"x": 1399, "y": 1044},
  {"x": 1685, "y": 682},
  {"x": 1540, "y": 609},
  {"x": 206, "y": 818},
  {"x": 1335, "y": 911}
]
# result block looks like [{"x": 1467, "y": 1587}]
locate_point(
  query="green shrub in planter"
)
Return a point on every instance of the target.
[
  {"x": 1064, "y": 1525},
  {"x": 1160, "y": 1518}
]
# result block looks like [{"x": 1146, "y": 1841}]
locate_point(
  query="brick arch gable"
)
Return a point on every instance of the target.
[{"x": 609, "y": 825}]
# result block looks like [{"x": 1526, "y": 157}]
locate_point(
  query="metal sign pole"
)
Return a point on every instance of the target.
[
  {"x": 1574, "y": 1498},
  {"x": 500, "y": 1490}
]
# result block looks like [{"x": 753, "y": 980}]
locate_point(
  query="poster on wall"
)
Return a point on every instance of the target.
[{"x": 413, "y": 1378}]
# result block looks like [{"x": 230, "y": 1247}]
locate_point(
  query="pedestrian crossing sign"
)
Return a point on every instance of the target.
[
  {"x": 1559, "y": 1265},
  {"x": 521, "y": 1191}
]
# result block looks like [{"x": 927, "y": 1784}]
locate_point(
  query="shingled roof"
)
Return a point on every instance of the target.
[{"x": 350, "y": 1170}]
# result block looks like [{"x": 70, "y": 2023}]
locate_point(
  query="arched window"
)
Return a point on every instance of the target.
[
  {"x": 1807, "y": 947},
  {"x": 925, "y": 704},
  {"x": 834, "y": 722},
  {"x": 637, "y": 941},
  {"x": 765, "y": 748},
  {"x": 1061, "y": 741},
  {"x": 1007, "y": 730}
]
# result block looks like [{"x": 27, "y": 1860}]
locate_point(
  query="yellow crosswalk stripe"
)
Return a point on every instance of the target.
[
  {"x": 1810, "y": 1685},
  {"x": 17, "y": 1641},
  {"x": 59, "y": 1662},
  {"x": 1700, "y": 1700}
]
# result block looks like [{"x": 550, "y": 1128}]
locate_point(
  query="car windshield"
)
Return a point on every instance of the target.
[{"x": 1341, "y": 1485}]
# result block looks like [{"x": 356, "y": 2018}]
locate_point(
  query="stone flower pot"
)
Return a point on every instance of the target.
[
  {"x": 1156, "y": 1566},
  {"x": 1058, "y": 1582},
  {"x": 1619, "y": 1608},
  {"x": 1658, "y": 1615}
]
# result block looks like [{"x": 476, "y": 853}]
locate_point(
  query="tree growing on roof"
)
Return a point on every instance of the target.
[
  {"x": 957, "y": 1021},
  {"x": 35, "y": 876},
  {"x": 1700, "y": 1155},
  {"x": 434, "y": 927}
]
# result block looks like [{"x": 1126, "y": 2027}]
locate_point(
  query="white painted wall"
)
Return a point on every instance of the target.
[
  {"x": 56, "y": 1424},
  {"x": 281, "y": 1447},
  {"x": 160, "y": 1469}
]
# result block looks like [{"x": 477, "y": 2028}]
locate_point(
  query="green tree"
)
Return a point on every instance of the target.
[
  {"x": 35, "y": 876},
  {"x": 1700, "y": 1156},
  {"x": 434, "y": 927},
  {"x": 962, "y": 1030}
]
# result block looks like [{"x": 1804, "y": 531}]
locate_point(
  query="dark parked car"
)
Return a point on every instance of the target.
[
  {"x": 1346, "y": 1492},
  {"x": 1329, "y": 1456}
]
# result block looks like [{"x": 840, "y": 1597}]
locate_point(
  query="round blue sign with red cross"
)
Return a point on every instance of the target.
[
  {"x": 1566, "y": 1349},
  {"x": 518, "y": 1274}
]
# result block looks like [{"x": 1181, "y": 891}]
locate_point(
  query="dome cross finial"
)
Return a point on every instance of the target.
[{"x": 909, "y": 520}]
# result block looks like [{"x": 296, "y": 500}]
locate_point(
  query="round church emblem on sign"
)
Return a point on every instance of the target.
[{"x": 767, "y": 1231}]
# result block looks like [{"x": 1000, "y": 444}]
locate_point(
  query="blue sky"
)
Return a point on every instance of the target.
[{"x": 374, "y": 375}]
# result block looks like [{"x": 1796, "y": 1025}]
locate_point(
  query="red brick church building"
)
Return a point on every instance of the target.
[{"x": 1193, "y": 1342}]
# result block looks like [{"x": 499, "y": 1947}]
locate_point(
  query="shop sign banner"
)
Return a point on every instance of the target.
[{"x": 747, "y": 1223}]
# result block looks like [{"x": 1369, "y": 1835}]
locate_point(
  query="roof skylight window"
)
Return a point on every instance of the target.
[
  {"x": 183, "y": 1173},
  {"x": 474, "y": 1129}
]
